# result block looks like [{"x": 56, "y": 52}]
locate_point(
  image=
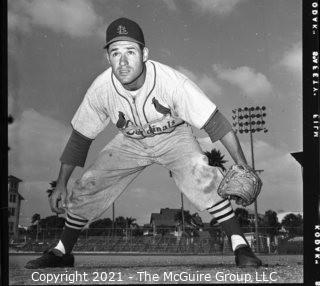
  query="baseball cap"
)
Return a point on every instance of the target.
[{"x": 124, "y": 29}]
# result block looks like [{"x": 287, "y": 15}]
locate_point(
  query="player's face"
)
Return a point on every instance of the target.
[{"x": 127, "y": 62}]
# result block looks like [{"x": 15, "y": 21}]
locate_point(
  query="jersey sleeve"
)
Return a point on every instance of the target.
[
  {"x": 91, "y": 117},
  {"x": 192, "y": 105}
]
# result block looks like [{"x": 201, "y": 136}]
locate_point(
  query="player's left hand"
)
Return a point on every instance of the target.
[
  {"x": 242, "y": 184},
  {"x": 57, "y": 200}
]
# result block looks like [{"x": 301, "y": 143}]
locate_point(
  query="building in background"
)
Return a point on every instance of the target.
[
  {"x": 14, "y": 204},
  {"x": 165, "y": 220},
  {"x": 170, "y": 221}
]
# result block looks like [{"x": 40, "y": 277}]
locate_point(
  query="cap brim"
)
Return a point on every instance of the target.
[{"x": 122, "y": 38}]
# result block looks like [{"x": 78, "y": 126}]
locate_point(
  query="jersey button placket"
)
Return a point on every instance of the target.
[{"x": 135, "y": 115}]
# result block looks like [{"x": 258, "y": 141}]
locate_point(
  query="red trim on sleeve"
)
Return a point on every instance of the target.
[
  {"x": 217, "y": 126},
  {"x": 76, "y": 151}
]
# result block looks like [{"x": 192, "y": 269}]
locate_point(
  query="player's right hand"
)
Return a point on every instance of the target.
[{"x": 57, "y": 200}]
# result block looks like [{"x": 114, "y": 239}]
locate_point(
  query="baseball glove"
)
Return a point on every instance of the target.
[{"x": 241, "y": 184}]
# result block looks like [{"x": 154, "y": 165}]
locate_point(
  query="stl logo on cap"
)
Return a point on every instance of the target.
[{"x": 121, "y": 30}]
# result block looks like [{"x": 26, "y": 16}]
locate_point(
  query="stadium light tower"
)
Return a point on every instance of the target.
[
  {"x": 251, "y": 120},
  {"x": 182, "y": 207}
]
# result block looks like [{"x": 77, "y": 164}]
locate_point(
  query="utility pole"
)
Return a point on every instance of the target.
[
  {"x": 113, "y": 219},
  {"x": 244, "y": 122},
  {"x": 182, "y": 207},
  {"x": 182, "y": 212}
]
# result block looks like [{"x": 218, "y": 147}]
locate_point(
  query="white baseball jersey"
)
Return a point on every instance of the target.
[{"x": 166, "y": 100}]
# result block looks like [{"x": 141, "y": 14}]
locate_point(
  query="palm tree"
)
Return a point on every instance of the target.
[
  {"x": 293, "y": 224},
  {"x": 53, "y": 185},
  {"x": 120, "y": 222},
  {"x": 10, "y": 121},
  {"x": 124, "y": 223},
  {"x": 36, "y": 219},
  {"x": 271, "y": 223},
  {"x": 196, "y": 220},
  {"x": 182, "y": 208},
  {"x": 216, "y": 159},
  {"x": 130, "y": 222}
]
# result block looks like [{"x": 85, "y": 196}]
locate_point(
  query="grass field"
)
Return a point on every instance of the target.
[{"x": 153, "y": 269}]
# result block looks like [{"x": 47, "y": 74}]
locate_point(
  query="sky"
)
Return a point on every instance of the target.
[{"x": 239, "y": 52}]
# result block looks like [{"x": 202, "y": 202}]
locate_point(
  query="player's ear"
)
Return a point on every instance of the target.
[
  {"x": 145, "y": 54},
  {"x": 108, "y": 58},
  {"x": 107, "y": 55}
]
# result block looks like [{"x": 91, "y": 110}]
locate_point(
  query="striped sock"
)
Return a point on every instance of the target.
[
  {"x": 224, "y": 215},
  {"x": 75, "y": 222},
  {"x": 73, "y": 226},
  {"x": 221, "y": 211}
]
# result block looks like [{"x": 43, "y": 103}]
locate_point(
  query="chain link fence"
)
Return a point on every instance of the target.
[{"x": 164, "y": 240}]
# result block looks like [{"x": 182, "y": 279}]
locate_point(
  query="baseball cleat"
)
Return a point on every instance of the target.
[
  {"x": 51, "y": 258},
  {"x": 244, "y": 257}
]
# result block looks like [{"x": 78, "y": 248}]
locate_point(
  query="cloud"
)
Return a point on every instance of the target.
[
  {"x": 292, "y": 59},
  {"x": 10, "y": 103},
  {"x": 252, "y": 83},
  {"x": 36, "y": 143},
  {"x": 76, "y": 18},
  {"x": 281, "y": 176},
  {"x": 208, "y": 84},
  {"x": 219, "y": 7},
  {"x": 35, "y": 200},
  {"x": 170, "y": 5},
  {"x": 16, "y": 22},
  {"x": 165, "y": 53}
]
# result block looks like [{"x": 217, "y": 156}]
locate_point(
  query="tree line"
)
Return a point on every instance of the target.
[
  {"x": 127, "y": 226},
  {"x": 292, "y": 224}
]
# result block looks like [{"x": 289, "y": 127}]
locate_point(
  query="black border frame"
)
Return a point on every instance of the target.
[
  {"x": 4, "y": 146},
  {"x": 311, "y": 146}
]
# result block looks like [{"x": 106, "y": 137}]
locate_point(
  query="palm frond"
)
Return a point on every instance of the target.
[
  {"x": 53, "y": 185},
  {"x": 215, "y": 158},
  {"x": 35, "y": 217}
]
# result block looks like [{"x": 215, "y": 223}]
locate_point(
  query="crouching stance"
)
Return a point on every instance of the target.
[{"x": 153, "y": 106}]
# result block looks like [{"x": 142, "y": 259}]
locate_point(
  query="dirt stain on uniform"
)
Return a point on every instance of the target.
[{"x": 203, "y": 174}]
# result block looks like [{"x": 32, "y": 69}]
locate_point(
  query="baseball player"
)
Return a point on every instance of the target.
[{"x": 153, "y": 106}]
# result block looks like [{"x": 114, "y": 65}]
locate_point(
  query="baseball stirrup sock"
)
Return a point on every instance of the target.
[
  {"x": 72, "y": 229},
  {"x": 69, "y": 238},
  {"x": 75, "y": 222},
  {"x": 221, "y": 211},
  {"x": 224, "y": 215},
  {"x": 234, "y": 232}
]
